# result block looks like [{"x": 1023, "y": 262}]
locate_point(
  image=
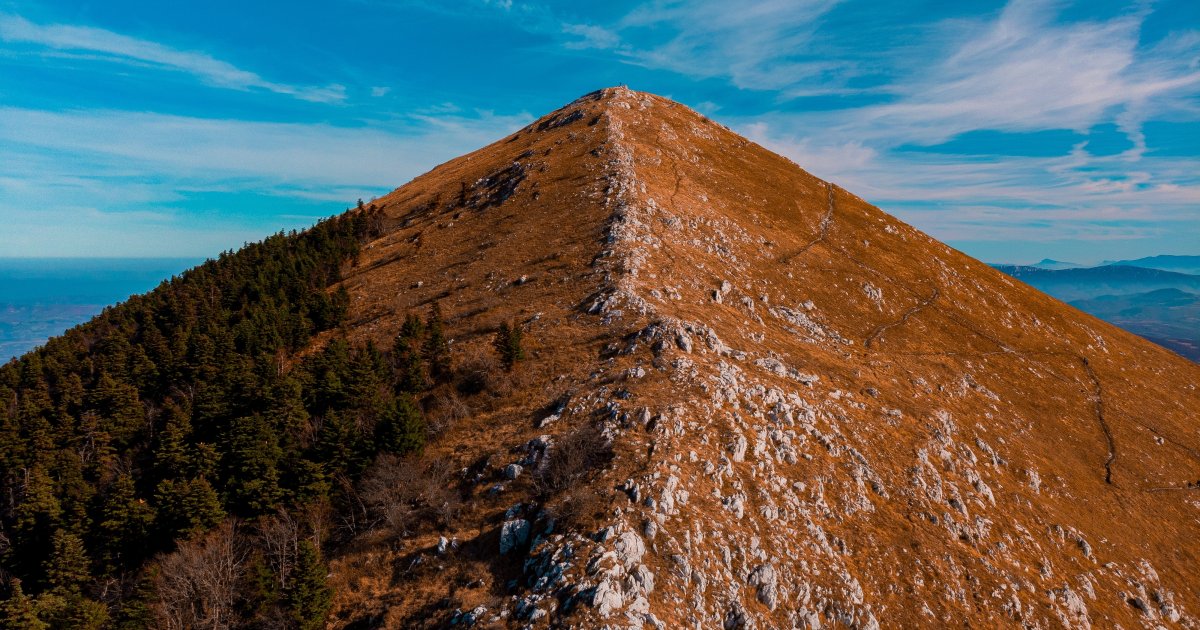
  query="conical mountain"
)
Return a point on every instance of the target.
[
  {"x": 673, "y": 380},
  {"x": 819, "y": 415}
]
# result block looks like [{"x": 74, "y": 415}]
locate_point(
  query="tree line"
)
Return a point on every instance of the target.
[{"x": 183, "y": 435}]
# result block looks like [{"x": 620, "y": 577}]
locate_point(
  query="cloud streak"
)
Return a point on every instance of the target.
[
  {"x": 130, "y": 173},
  {"x": 118, "y": 48}
]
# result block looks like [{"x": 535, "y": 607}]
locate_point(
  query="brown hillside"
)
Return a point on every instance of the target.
[{"x": 819, "y": 416}]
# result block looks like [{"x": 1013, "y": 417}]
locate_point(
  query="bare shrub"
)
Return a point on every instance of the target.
[
  {"x": 580, "y": 506},
  {"x": 402, "y": 493},
  {"x": 445, "y": 410},
  {"x": 390, "y": 490},
  {"x": 197, "y": 585},
  {"x": 441, "y": 497},
  {"x": 570, "y": 459},
  {"x": 480, "y": 371},
  {"x": 281, "y": 535}
]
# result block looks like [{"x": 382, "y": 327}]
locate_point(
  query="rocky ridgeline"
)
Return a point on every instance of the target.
[
  {"x": 818, "y": 416},
  {"x": 745, "y": 475}
]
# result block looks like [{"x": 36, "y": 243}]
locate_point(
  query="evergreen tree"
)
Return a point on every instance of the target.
[
  {"x": 252, "y": 469},
  {"x": 133, "y": 611},
  {"x": 76, "y": 612},
  {"x": 508, "y": 344},
  {"x": 413, "y": 329},
  {"x": 67, "y": 567},
  {"x": 196, "y": 390},
  {"x": 400, "y": 428},
  {"x": 172, "y": 453},
  {"x": 125, "y": 520},
  {"x": 19, "y": 611},
  {"x": 37, "y": 517},
  {"x": 340, "y": 445},
  {"x": 308, "y": 597},
  {"x": 118, "y": 404},
  {"x": 367, "y": 373},
  {"x": 437, "y": 346},
  {"x": 187, "y": 508},
  {"x": 288, "y": 415},
  {"x": 262, "y": 592},
  {"x": 411, "y": 376}
]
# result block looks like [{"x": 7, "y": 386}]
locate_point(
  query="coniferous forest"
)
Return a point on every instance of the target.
[{"x": 145, "y": 452}]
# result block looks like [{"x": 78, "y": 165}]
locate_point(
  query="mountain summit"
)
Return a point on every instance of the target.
[
  {"x": 623, "y": 368},
  {"x": 817, "y": 415}
]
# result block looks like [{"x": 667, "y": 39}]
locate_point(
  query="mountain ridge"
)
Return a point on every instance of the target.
[
  {"x": 746, "y": 398},
  {"x": 698, "y": 271}
]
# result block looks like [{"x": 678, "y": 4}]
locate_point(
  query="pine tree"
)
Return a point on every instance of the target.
[
  {"x": 308, "y": 597},
  {"x": 437, "y": 346},
  {"x": 77, "y": 612},
  {"x": 400, "y": 428},
  {"x": 508, "y": 344},
  {"x": 37, "y": 517},
  {"x": 187, "y": 508},
  {"x": 411, "y": 376},
  {"x": 261, "y": 589},
  {"x": 368, "y": 369},
  {"x": 19, "y": 611},
  {"x": 118, "y": 404},
  {"x": 340, "y": 445},
  {"x": 133, "y": 611},
  {"x": 125, "y": 520},
  {"x": 413, "y": 328},
  {"x": 172, "y": 454},
  {"x": 288, "y": 415},
  {"x": 252, "y": 467},
  {"x": 67, "y": 567}
]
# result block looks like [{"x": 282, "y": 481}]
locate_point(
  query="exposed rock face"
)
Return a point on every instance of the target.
[
  {"x": 513, "y": 534},
  {"x": 820, "y": 417}
]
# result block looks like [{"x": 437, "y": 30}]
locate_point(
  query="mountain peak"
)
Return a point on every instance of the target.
[
  {"x": 817, "y": 413},
  {"x": 664, "y": 378}
]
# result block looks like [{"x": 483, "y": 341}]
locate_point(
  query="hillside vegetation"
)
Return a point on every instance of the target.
[{"x": 145, "y": 451}]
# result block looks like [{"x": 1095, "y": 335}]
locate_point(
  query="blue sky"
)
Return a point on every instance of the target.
[{"x": 1013, "y": 131}]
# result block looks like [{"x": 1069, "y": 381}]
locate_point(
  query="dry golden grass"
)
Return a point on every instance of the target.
[{"x": 1107, "y": 421}]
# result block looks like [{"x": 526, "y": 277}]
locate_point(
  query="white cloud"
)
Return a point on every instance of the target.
[
  {"x": 96, "y": 173},
  {"x": 379, "y": 91},
  {"x": 1022, "y": 70},
  {"x": 590, "y": 36},
  {"x": 757, "y": 45},
  {"x": 318, "y": 154},
  {"x": 119, "y": 48},
  {"x": 1025, "y": 71},
  {"x": 1004, "y": 198}
]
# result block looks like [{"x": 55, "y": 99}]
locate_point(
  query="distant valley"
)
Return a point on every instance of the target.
[
  {"x": 42, "y": 297},
  {"x": 1157, "y": 297}
]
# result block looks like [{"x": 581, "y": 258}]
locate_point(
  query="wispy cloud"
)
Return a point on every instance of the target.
[
  {"x": 757, "y": 45},
  {"x": 108, "y": 168},
  {"x": 1025, "y": 71},
  {"x": 118, "y": 48},
  {"x": 1021, "y": 70},
  {"x": 317, "y": 154},
  {"x": 1009, "y": 199}
]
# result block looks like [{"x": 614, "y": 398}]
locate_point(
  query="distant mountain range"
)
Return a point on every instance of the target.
[
  {"x": 1050, "y": 263},
  {"x": 1157, "y": 297},
  {"x": 1181, "y": 264},
  {"x": 1091, "y": 282},
  {"x": 1168, "y": 317}
]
